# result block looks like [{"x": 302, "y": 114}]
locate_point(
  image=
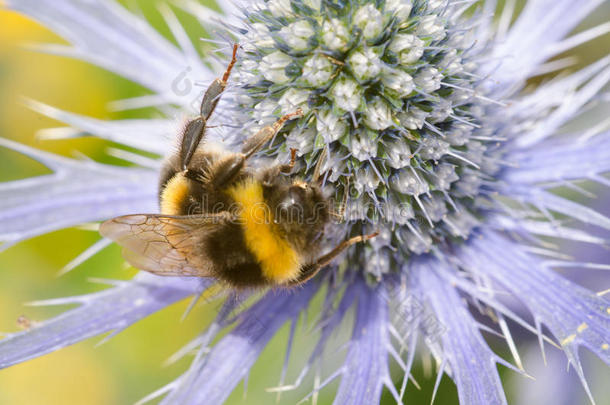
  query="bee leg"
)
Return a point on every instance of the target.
[
  {"x": 195, "y": 129},
  {"x": 213, "y": 93},
  {"x": 193, "y": 133},
  {"x": 256, "y": 141},
  {"x": 339, "y": 215},
  {"x": 272, "y": 172},
  {"x": 327, "y": 258},
  {"x": 311, "y": 270},
  {"x": 287, "y": 168},
  {"x": 226, "y": 170}
]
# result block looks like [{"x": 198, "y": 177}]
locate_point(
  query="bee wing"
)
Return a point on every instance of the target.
[{"x": 164, "y": 245}]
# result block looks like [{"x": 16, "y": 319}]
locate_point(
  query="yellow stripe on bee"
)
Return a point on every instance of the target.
[
  {"x": 175, "y": 192},
  {"x": 278, "y": 260}
]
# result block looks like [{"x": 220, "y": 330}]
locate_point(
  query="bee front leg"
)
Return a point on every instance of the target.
[
  {"x": 270, "y": 173},
  {"x": 310, "y": 270},
  {"x": 192, "y": 136},
  {"x": 213, "y": 93},
  {"x": 195, "y": 129},
  {"x": 287, "y": 168},
  {"x": 258, "y": 140}
]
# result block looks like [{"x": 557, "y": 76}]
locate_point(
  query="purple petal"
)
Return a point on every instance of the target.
[
  {"x": 211, "y": 379},
  {"x": 472, "y": 363},
  {"x": 570, "y": 103},
  {"x": 210, "y": 18},
  {"x": 553, "y": 94},
  {"x": 77, "y": 192},
  {"x": 565, "y": 160},
  {"x": 526, "y": 228},
  {"x": 106, "y": 34},
  {"x": 552, "y": 380},
  {"x": 365, "y": 371},
  {"x": 550, "y": 202},
  {"x": 540, "y": 25},
  {"x": 330, "y": 320},
  {"x": 151, "y": 135},
  {"x": 574, "y": 315},
  {"x": 113, "y": 309}
]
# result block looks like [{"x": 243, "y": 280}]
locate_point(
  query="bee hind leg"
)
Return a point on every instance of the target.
[{"x": 311, "y": 270}]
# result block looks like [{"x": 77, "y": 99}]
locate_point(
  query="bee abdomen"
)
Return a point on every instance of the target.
[
  {"x": 234, "y": 263},
  {"x": 278, "y": 260}
]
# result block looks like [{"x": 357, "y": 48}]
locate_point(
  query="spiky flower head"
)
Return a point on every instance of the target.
[
  {"x": 390, "y": 102},
  {"x": 419, "y": 113}
]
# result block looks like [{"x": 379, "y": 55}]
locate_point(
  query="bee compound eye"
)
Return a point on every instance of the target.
[{"x": 290, "y": 209}]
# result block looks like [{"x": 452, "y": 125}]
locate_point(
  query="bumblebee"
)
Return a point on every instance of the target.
[{"x": 222, "y": 218}]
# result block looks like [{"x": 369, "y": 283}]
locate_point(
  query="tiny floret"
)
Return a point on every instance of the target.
[
  {"x": 297, "y": 35},
  {"x": 273, "y": 67},
  {"x": 378, "y": 115},
  {"x": 334, "y": 34},
  {"x": 428, "y": 79},
  {"x": 408, "y": 47},
  {"x": 401, "y": 9},
  {"x": 431, "y": 26},
  {"x": 365, "y": 63},
  {"x": 280, "y": 8},
  {"x": 347, "y": 94},
  {"x": 399, "y": 81},
  {"x": 369, "y": 19},
  {"x": 318, "y": 70}
]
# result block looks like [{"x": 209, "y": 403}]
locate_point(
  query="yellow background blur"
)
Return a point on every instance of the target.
[{"x": 130, "y": 365}]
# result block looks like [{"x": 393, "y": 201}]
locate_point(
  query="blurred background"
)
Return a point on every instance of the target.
[{"x": 131, "y": 365}]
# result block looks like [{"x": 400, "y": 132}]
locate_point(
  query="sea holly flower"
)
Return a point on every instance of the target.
[{"x": 419, "y": 115}]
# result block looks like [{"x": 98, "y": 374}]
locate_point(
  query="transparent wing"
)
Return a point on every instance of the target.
[{"x": 165, "y": 245}]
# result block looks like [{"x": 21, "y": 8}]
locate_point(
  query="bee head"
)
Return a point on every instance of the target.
[{"x": 297, "y": 206}]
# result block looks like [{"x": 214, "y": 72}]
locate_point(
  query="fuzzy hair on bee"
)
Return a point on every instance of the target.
[{"x": 221, "y": 217}]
